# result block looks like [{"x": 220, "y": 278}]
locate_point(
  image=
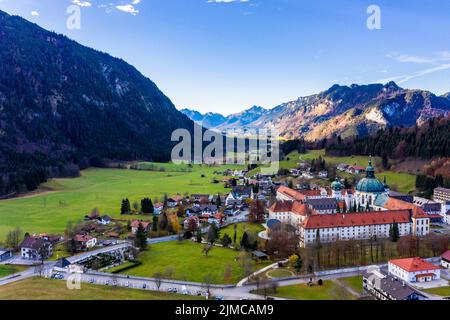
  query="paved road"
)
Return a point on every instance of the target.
[{"x": 82, "y": 256}]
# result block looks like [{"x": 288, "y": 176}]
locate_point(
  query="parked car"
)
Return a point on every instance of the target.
[{"x": 184, "y": 291}]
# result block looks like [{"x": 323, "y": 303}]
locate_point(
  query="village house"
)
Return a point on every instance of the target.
[
  {"x": 191, "y": 221},
  {"x": 200, "y": 198},
  {"x": 355, "y": 169},
  {"x": 104, "y": 220},
  {"x": 33, "y": 248},
  {"x": 85, "y": 241},
  {"x": 239, "y": 194},
  {"x": 323, "y": 174},
  {"x": 174, "y": 201},
  {"x": 387, "y": 287},
  {"x": 445, "y": 260},
  {"x": 158, "y": 208},
  {"x": 414, "y": 270},
  {"x": 135, "y": 225}
]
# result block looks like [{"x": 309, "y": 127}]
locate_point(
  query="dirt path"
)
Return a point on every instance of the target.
[
  {"x": 32, "y": 194},
  {"x": 348, "y": 288}
]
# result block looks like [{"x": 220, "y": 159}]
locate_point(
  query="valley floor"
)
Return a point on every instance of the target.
[{"x": 72, "y": 199}]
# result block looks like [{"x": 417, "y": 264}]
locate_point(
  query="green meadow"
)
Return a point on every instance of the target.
[
  {"x": 186, "y": 261},
  {"x": 71, "y": 199},
  {"x": 401, "y": 182},
  {"x": 328, "y": 291},
  {"x": 252, "y": 228}
]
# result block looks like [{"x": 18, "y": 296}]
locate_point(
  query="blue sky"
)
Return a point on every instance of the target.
[{"x": 225, "y": 56}]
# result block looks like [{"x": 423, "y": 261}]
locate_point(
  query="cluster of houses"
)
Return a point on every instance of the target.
[
  {"x": 38, "y": 247},
  {"x": 402, "y": 274},
  {"x": 366, "y": 211},
  {"x": 307, "y": 174},
  {"x": 355, "y": 170}
]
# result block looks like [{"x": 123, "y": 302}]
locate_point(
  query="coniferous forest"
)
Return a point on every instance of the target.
[
  {"x": 64, "y": 107},
  {"x": 430, "y": 140}
]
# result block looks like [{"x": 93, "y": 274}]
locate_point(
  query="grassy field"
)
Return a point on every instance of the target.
[
  {"x": 45, "y": 289},
  {"x": 353, "y": 160},
  {"x": 72, "y": 199},
  {"x": 444, "y": 291},
  {"x": 401, "y": 182},
  {"x": 241, "y": 228},
  {"x": 280, "y": 273},
  {"x": 354, "y": 282},
  {"x": 329, "y": 291},
  {"x": 290, "y": 162},
  {"x": 187, "y": 262},
  {"x": 6, "y": 270}
]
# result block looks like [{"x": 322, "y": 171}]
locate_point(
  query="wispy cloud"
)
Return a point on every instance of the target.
[
  {"x": 35, "y": 13},
  {"x": 437, "y": 63},
  {"x": 410, "y": 59},
  {"x": 407, "y": 77}
]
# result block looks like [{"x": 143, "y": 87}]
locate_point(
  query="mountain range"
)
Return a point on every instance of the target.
[
  {"x": 355, "y": 110},
  {"x": 64, "y": 105}
]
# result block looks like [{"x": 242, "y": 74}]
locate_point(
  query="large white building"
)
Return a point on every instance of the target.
[
  {"x": 355, "y": 226},
  {"x": 441, "y": 194},
  {"x": 291, "y": 212},
  {"x": 414, "y": 270},
  {"x": 332, "y": 226},
  {"x": 321, "y": 213}
]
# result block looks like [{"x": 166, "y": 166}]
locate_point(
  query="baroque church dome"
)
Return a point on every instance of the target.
[{"x": 370, "y": 184}]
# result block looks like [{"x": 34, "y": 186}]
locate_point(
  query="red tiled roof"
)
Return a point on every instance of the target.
[
  {"x": 295, "y": 207},
  {"x": 219, "y": 216},
  {"x": 397, "y": 204},
  {"x": 177, "y": 198},
  {"x": 446, "y": 255},
  {"x": 290, "y": 193},
  {"x": 82, "y": 238},
  {"x": 281, "y": 206},
  {"x": 413, "y": 264},
  {"x": 356, "y": 219},
  {"x": 310, "y": 193},
  {"x": 300, "y": 209}
]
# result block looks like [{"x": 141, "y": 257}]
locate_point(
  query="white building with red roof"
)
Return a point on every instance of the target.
[
  {"x": 354, "y": 226},
  {"x": 414, "y": 270},
  {"x": 291, "y": 212}
]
